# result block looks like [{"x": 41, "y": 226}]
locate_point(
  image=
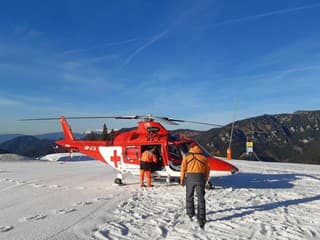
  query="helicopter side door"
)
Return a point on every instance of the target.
[
  {"x": 159, "y": 165},
  {"x": 131, "y": 158}
]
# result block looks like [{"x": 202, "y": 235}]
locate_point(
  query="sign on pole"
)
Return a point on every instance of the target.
[{"x": 249, "y": 146}]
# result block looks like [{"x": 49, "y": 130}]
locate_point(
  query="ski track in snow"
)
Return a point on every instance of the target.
[{"x": 77, "y": 201}]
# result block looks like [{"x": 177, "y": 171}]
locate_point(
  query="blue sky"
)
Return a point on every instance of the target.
[{"x": 181, "y": 59}]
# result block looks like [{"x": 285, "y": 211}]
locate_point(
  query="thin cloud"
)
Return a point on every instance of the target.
[
  {"x": 277, "y": 12},
  {"x": 8, "y": 102},
  {"x": 301, "y": 69},
  {"x": 23, "y": 100},
  {"x": 81, "y": 62},
  {"x": 109, "y": 44},
  {"x": 283, "y": 84}
]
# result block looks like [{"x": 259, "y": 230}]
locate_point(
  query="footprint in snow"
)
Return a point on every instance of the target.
[
  {"x": 5, "y": 228},
  {"x": 12, "y": 181},
  {"x": 83, "y": 203},
  {"x": 8, "y": 180},
  {"x": 65, "y": 211},
  {"x": 101, "y": 199},
  {"x": 55, "y": 186},
  {"x": 20, "y": 182},
  {"x": 36, "y": 185},
  {"x": 34, "y": 218}
]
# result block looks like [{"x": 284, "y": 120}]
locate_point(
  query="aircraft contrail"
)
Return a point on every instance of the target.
[
  {"x": 282, "y": 11},
  {"x": 158, "y": 36},
  {"x": 147, "y": 44},
  {"x": 166, "y": 31}
]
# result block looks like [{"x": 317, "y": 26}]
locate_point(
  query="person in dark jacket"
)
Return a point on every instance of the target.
[{"x": 195, "y": 169}]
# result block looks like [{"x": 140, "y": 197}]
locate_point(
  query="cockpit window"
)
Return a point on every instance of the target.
[
  {"x": 184, "y": 147},
  {"x": 173, "y": 138},
  {"x": 178, "y": 151},
  {"x": 174, "y": 152},
  {"x": 204, "y": 151}
]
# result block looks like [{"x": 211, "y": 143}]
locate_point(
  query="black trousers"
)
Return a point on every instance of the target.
[
  {"x": 147, "y": 166},
  {"x": 195, "y": 182}
]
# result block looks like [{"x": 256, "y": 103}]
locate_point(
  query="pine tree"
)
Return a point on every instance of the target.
[
  {"x": 91, "y": 136},
  {"x": 104, "y": 135}
]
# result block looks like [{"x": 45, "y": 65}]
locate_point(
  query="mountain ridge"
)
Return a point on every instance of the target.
[{"x": 280, "y": 137}]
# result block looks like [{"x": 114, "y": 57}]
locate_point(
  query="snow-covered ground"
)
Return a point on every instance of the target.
[{"x": 78, "y": 200}]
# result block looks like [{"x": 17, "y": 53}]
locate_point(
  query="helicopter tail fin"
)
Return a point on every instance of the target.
[{"x": 66, "y": 129}]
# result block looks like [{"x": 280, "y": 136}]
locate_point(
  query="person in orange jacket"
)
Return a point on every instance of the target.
[
  {"x": 148, "y": 158},
  {"x": 196, "y": 168}
]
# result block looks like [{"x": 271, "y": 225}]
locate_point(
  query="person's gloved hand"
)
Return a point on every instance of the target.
[{"x": 181, "y": 182}]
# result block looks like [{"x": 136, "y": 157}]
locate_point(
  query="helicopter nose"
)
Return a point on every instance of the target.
[{"x": 234, "y": 170}]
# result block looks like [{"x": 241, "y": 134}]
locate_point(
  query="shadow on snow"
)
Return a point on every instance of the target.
[
  {"x": 260, "y": 181},
  {"x": 264, "y": 207}
]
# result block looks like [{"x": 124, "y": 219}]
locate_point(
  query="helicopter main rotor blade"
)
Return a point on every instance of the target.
[
  {"x": 166, "y": 120},
  {"x": 173, "y": 121},
  {"x": 203, "y": 123},
  {"x": 170, "y": 121},
  {"x": 37, "y": 119},
  {"x": 92, "y": 117}
]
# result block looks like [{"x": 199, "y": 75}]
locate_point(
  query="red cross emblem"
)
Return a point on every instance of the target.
[{"x": 115, "y": 158}]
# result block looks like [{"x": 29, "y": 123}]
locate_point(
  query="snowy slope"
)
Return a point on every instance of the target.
[
  {"x": 77, "y": 200},
  {"x": 76, "y": 156},
  {"x": 12, "y": 157}
]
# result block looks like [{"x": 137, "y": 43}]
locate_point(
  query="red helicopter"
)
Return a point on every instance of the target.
[{"x": 124, "y": 149}]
